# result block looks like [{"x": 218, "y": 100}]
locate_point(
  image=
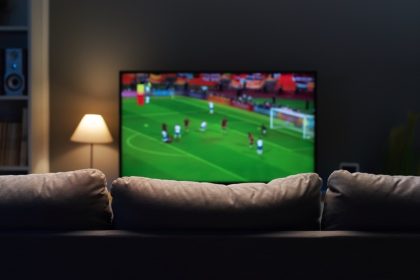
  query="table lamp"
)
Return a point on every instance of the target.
[{"x": 92, "y": 129}]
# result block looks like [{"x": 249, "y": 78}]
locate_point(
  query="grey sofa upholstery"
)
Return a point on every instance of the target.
[
  {"x": 237, "y": 252},
  {"x": 290, "y": 203}
]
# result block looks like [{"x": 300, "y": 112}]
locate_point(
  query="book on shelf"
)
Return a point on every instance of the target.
[
  {"x": 23, "y": 160},
  {"x": 3, "y": 130},
  {"x": 14, "y": 141},
  {"x": 12, "y": 147}
]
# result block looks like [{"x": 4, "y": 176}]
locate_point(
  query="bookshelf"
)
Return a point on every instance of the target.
[
  {"x": 14, "y": 132},
  {"x": 23, "y": 149},
  {"x": 5, "y": 97},
  {"x": 14, "y": 28}
]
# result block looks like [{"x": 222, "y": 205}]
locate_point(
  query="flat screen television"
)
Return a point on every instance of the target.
[{"x": 225, "y": 127}]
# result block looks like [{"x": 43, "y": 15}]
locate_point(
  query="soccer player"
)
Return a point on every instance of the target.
[
  {"x": 259, "y": 146},
  {"x": 251, "y": 139},
  {"x": 165, "y": 136},
  {"x": 203, "y": 126},
  {"x": 186, "y": 124},
  {"x": 211, "y": 107},
  {"x": 263, "y": 130},
  {"x": 224, "y": 124},
  {"x": 177, "y": 130}
]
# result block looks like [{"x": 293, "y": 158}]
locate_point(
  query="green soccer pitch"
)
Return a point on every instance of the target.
[{"x": 214, "y": 155}]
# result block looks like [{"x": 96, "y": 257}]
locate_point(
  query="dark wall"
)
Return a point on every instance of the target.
[{"x": 366, "y": 54}]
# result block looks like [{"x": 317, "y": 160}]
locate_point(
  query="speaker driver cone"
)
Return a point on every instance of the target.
[{"x": 14, "y": 82}]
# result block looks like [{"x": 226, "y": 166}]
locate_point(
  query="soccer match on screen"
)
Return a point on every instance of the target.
[{"x": 218, "y": 126}]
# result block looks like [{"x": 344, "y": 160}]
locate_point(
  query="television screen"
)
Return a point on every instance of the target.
[{"x": 217, "y": 126}]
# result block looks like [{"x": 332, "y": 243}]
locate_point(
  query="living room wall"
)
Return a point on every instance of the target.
[{"x": 366, "y": 54}]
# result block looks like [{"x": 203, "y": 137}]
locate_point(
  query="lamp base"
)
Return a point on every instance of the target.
[{"x": 91, "y": 155}]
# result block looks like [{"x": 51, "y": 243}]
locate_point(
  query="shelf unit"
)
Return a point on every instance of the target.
[
  {"x": 14, "y": 169},
  {"x": 24, "y": 149},
  {"x": 14, "y": 28},
  {"x": 14, "y": 130},
  {"x": 11, "y": 97}
]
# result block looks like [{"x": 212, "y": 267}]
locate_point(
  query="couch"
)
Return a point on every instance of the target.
[{"x": 68, "y": 226}]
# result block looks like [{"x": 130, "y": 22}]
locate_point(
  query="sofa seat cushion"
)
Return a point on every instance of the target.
[
  {"x": 291, "y": 203},
  {"x": 361, "y": 201},
  {"x": 55, "y": 201}
]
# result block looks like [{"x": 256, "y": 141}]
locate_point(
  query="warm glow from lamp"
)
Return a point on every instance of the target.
[{"x": 92, "y": 129}]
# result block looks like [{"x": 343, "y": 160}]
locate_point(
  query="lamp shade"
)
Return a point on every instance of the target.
[{"x": 92, "y": 129}]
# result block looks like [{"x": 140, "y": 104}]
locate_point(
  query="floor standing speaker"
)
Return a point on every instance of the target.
[{"x": 14, "y": 79}]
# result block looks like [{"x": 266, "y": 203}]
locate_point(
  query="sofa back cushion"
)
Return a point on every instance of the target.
[
  {"x": 291, "y": 203},
  {"x": 360, "y": 201},
  {"x": 55, "y": 201}
]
